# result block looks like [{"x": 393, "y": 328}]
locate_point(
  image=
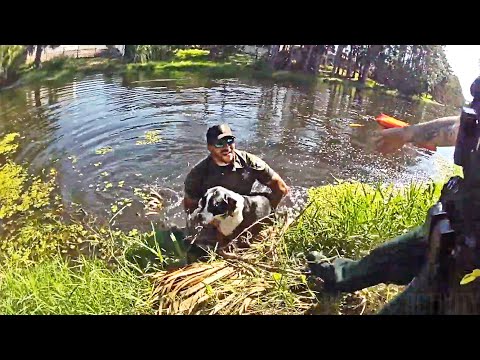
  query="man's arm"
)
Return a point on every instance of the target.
[
  {"x": 438, "y": 132},
  {"x": 193, "y": 190},
  {"x": 268, "y": 177},
  {"x": 279, "y": 189}
]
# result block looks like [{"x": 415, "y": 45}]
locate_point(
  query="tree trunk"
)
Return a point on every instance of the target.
[
  {"x": 129, "y": 52},
  {"x": 274, "y": 50},
  {"x": 338, "y": 56},
  {"x": 402, "y": 52},
  {"x": 372, "y": 52},
  {"x": 350, "y": 61},
  {"x": 38, "y": 56},
  {"x": 214, "y": 51},
  {"x": 288, "y": 66},
  {"x": 318, "y": 49},
  {"x": 321, "y": 54},
  {"x": 306, "y": 66}
]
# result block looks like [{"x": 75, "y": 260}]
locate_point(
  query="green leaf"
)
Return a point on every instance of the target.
[
  {"x": 209, "y": 290},
  {"x": 133, "y": 232},
  {"x": 277, "y": 277}
]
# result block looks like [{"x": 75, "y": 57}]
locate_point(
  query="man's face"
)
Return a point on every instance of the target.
[{"x": 223, "y": 150}]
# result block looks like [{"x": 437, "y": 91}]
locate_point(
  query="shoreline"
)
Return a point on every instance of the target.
[{"x": 63, "y": 68}]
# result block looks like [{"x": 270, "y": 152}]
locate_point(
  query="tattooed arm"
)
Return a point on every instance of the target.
[{"x": 438, "y": 132}]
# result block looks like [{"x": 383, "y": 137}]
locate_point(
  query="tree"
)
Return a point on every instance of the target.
[
  {"x": 129, "y": 53},
  {"x": 38, "y": 53},
  {"x": 222, "y": 52},
  {"x": 303, "y": 58},
  {"x": 11, "y": 57},
  {"x": 372, "y": 53},
  {"x": 338, "y": 60}
]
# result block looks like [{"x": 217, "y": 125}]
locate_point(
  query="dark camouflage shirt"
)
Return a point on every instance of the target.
[{"x": 239, "y": 176}]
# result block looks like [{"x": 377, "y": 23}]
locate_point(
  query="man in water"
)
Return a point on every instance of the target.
[{"x": 233, "y": 169}]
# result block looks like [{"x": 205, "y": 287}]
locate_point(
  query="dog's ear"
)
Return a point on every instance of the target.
[{"x": 232, "y": 205}]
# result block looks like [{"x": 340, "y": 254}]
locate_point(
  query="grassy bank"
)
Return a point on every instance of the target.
[
  {"x": 50, "y": 264},
  {"x": 188, "y": 63},
  {"x": 54, "y": 264},
  {"x": 64, "y": 68},
  {"x": 84, "y": 286},
  {"x": 346, "y": 219}
]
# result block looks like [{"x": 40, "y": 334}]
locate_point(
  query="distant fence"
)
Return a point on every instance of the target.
[{"x": 79, "y": 52}]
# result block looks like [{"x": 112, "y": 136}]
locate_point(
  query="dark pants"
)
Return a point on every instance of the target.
[{"x": 396, "y": 261}]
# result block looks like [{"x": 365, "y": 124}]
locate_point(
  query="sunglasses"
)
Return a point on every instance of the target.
[{"x": 225, "y": 141}]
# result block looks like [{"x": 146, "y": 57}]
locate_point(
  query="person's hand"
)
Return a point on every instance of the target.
[
  {"x": 275, "y": 199},
  {"x": 390, "y": 140}
]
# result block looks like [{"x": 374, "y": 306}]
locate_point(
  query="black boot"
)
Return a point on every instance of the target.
[{"x": 322, "y": 273}]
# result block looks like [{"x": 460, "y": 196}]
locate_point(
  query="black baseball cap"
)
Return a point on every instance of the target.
[{"x": 218, "y": 132}]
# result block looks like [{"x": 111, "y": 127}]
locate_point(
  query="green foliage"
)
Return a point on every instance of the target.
[
  {"x": 223, "y": 52},
  {"x": 349, "y": 218},
  {"x": 62, "y": 68},
  {"x": 146, "y": 53},
  {"x": 12, "y": 178},
  {"x": 16, "y": 194},
  {"x": 7, "y": 144},
  {"x": 11, "y": 58},
  {"x": 28, "y": 237},
  {"x": 56, "y": 64},
  {"x": 191, "y": 54},
  {"x": 417, "y": 69},
  {"x": 85, "y": 287}
]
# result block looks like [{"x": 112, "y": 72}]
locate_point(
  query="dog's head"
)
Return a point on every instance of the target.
[{"x": 217, "y": 204}]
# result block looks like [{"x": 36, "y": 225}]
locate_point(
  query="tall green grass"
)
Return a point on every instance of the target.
[
  {"x": 89, "y": 286},
  {"x": 350, "y": 219},
  {"x": 346, "y": 219}
]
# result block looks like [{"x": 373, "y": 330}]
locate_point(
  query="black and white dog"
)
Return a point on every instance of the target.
[{"x": 230, "y": 212}]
